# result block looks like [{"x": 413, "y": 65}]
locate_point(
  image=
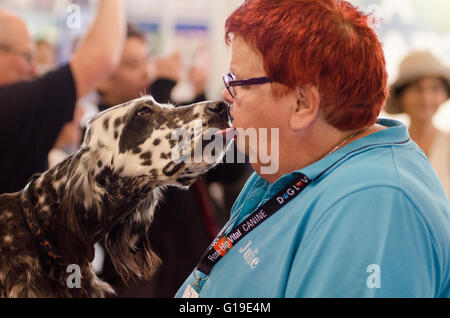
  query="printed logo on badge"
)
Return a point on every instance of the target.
[
  {"x": 223, "y": 246},
  {"x": 292, "y": 191}
]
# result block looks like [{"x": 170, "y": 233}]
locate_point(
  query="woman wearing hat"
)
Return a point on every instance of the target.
[{"x": 422, "y": 87}]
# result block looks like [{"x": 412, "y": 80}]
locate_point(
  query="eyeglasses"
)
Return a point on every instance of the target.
[
  {"x": 230, "y": 82},
  {"x": 28, "y": 56}
]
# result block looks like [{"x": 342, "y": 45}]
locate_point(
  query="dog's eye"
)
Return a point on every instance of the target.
[{"x": 144, "y": 111}]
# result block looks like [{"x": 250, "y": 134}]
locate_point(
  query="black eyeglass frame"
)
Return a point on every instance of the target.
[{"x": 229, "y": 81}]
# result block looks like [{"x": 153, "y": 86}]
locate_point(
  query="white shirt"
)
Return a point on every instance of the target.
[{"x": 440, "y": 159}]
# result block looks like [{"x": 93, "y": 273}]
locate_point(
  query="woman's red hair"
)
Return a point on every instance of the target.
[{"x": 326, "y": 43}]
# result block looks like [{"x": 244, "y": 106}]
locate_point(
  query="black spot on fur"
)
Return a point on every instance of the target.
[
  {"x": 117, "y": 122},
  {"x": 189, "y": 117},
  {"x": 165, "y": 155},
  {"x": 48, "y": 201},
  {"x": 173, "y": 142},
  {"x": 135, "y": 133},
  {"x": 124, "y": 118},
  {"x": 100, "y": 179},
  {"x": 171, "y": 168},
  {"x": 106, "y": 123},
  {"x": 137, "y": 150},
  {"x": 146, "y": 155},
  {"x": 146, "y": 163},
  {"x": 99, "y": 163},
  {"x": 120, "y": 170},
  {"x": 62, "y": 170},
  {"x": 154, "y": 173},
  {"x": 180, "y": 116},
  {"x": 116, "y": 134},
  {"x": 156, "y": 142}
]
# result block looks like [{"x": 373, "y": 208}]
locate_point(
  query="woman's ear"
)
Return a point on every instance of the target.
[{"x": 307, "y": 108}]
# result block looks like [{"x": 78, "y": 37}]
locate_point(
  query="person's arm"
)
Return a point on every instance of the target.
[{"x": 100, "y": 52}]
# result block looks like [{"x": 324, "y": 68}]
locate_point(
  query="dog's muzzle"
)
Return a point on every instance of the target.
[{"x": 219, "y": 108}]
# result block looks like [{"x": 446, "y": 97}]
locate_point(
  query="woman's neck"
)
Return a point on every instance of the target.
[{"x": 314, "y": 148}]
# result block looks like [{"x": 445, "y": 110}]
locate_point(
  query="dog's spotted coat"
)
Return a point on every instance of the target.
[{"x": 105, "y": 191}]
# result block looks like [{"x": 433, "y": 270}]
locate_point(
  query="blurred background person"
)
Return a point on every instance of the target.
[
  {"x": 423, "y": 85},
  {"x": 132, "y": 77},
  {"x": 138, "y": 75},
  {"x": 33, "y": 110},
  {"x": 16, "y": 50},
  {"x": 44, "y": 57}
]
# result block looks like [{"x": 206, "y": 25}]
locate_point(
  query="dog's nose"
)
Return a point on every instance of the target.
[{"x": 218, "y": 107}]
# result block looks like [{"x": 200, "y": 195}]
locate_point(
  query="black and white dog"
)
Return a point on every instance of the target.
[{"x": 106, "y": 191}]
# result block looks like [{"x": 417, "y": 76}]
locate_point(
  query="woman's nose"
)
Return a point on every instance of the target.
[{"x": 227, "y": 96}]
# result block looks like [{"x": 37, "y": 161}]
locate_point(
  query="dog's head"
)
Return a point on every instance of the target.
[
  {"x": 161, "y": 144},
  {"x": 128, "y": 152}
]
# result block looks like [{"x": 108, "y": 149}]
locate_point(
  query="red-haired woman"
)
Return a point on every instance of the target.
[{"x": 353, "y": 208}]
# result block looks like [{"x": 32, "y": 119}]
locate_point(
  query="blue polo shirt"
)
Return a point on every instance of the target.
[{"x": 375, "y": 223}]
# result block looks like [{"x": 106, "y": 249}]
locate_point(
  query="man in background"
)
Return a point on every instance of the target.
[{"x": 33, "y": 110}]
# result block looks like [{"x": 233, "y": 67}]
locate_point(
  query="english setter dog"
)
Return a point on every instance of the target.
[{"x": 107, "y": 190}]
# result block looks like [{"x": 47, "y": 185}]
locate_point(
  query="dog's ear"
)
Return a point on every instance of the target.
[
  {"x": 130, "y": 263},
  {"x": 128, "y": 244},
  {"x": 75, "y": 242}
]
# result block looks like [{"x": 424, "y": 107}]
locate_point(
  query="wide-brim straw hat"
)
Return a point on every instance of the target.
[{"x": 415, "y": 66}]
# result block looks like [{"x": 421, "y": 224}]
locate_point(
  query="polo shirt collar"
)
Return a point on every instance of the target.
[{"x": 397, "y": 133}]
